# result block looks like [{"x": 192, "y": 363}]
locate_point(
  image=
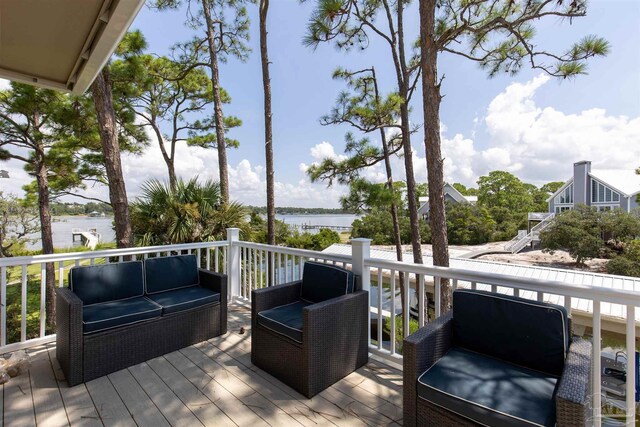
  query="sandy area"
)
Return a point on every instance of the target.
[{"x": 559, "y": 259}]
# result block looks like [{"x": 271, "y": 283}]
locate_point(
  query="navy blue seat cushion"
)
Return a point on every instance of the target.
[
  {"x": 109, "y": 282},
  {"x": 489, "y": 391},
  {"x": 321, "y": 282},
  {"x": 285, "y": 320},
  {"x": 524, "y": 332},
  {"x": 111, "y": 314},
  {"x": 184, "y": 299},
  {"x": 169, "y": 273}
]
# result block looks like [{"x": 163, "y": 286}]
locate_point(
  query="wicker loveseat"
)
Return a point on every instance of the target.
[
  {"x": 311, "y": 333},
  {"x": 116, "y": 315},
  {"x": 496, "y": 360}
]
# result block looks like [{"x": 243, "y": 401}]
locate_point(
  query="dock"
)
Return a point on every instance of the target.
[
  {"x": 90, "y": 238},
  {"x": 330, "y": 227}
]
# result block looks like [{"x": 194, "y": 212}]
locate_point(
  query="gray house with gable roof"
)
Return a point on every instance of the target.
[{"x": 603, "y": 189}]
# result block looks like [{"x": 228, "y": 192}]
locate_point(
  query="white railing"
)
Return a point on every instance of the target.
[
  {"x": 23, "y": 284},
  {"x": 393, "y": 314}
]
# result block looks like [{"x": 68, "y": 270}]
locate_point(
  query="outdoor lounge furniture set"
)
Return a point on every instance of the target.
[
  {"x": 117, "y": 315},
  {"x": 517, "y": 366}
]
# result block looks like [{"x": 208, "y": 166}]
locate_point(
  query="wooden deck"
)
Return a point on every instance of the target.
[{"x": 212, "y": 383}]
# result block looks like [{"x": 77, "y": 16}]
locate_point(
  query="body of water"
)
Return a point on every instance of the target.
[
  {"x": 63, "y": 225},
  {"x": 339, "y": 220}
]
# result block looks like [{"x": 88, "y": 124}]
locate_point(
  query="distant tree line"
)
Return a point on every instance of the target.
[
  {"x": 290, "y": 210},
  {"x": 67, "y": 208},
  {"x": 501, "y": 210}
]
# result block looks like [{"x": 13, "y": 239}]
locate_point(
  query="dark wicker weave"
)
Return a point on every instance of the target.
[
  {"x": 423, "y": 349},
  {"x": 334, "y": 339},
  {"x": 85, "y": 357}
]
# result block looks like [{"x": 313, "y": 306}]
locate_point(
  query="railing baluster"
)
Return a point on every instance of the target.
[
  {"x": 260, "y": 253},
  {"x": 215, "y": 259},
  {"x": 392, "y": 315},
  {"x": 422, "y": 300},
  {"x": 380, "y": 317},
  {"x": 92, "y": 261},
  {"x": 300, "y": 268},
  {"x": 43, "y": 297},
  {"x": 23, "y": 308},
  {"x": 255, "y": 269},
  {"x": 198, "y": 255},
  {"x": 567, "y": 304},
  {"x": 272, "y": 268},
  {"x": 454, "y": 284},
  {"x": 474, "y": 285},
  {"x": 278, "y": 269},
  {"x": 437, "y": 293},
  {"x": 516, "y": 292},
  {"x": 3, "y": 306},
  {"x": 596, "y": 384},
  {"x": 208, "y": 255},
  {"x": 631, "y": 365},
  {"x": 540, "y": 296},
  {"x": 405, "y": 307},
  {"x": 293, "y": 270},
  {"x": 61, "y": 274}
]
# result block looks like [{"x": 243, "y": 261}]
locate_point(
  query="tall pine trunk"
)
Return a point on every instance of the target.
[
  {"x": 268, "y": 130},
  {"x": 101, "y": 91},
  {"x": 217, "y": 104},
  {"x": 168, "y": 159},
  {"x": 46, "y": 234},
  {"x": 435, "y": 173},
  {"x": 403, "y": 89}
]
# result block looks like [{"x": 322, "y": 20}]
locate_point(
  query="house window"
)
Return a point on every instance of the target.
[
  {"x": 560, "y": 209},
  {"x": 566, "y": 196},
  {"x": 602, "y": 208},
  {"x": 600, "y": 193}
]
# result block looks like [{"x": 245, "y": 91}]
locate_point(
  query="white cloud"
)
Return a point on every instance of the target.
[{"x": 540, "y": 144}]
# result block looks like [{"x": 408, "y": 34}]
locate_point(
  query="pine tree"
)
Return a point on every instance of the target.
[{"x": 498, "y": 35}]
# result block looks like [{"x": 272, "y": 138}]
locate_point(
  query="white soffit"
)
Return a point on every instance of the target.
[{"x": 61, "y": 44}]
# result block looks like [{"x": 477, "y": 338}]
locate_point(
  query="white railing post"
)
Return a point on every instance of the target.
[
  {"x": 361, "y": 250},
  {"x": 233, "y": 261}
]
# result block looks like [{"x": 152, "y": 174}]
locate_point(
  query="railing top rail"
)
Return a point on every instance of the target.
[
  {"x": 297, "y": 252},
  {"x": 597, "y": 293},
  {"x": 72, "y": 256}
]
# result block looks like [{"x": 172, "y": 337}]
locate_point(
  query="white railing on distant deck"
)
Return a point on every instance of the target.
[{"x": 252, "y": 266}]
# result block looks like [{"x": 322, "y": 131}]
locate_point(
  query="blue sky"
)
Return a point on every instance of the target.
[{"x": 528, "y": 124}]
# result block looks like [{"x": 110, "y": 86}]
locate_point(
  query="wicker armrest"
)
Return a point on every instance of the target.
[
  {"x": 217, "y": 282},
  {"x": 573, "y": 396},
  {"x": 273, "y": 296},
  {"x": 214, "y": 281},
  {"x": 420, "y": 351},
  {"x": 343, "y": 313},
  {"x": 69, "y": 334}
]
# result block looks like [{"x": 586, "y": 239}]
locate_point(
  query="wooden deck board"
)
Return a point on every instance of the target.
[
  {"x": 143, "y": 411},
  {"x": 111, "y": 409},
  {"x": 47, "y": 400},
  {"x": 212, "y": 383},
  {"x": 77, "y": 402}
]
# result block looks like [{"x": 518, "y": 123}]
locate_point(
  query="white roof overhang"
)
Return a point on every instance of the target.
[{"x": 61, "y": 44}]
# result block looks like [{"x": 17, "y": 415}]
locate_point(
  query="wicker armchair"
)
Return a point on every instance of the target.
[
  {"x": 447, "y": 385},
  {"x": 313, "y": 344}
]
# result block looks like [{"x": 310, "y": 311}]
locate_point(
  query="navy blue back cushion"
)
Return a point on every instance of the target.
[
  {"x": 172, "y": 272},
  {"x": 524, "y": 332},
  {"x": 321, "y": 282},
  {"x": 109, "y": 282}
]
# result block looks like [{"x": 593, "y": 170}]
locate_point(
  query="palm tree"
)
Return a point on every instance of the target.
[{"x": 192, "y": 212}]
